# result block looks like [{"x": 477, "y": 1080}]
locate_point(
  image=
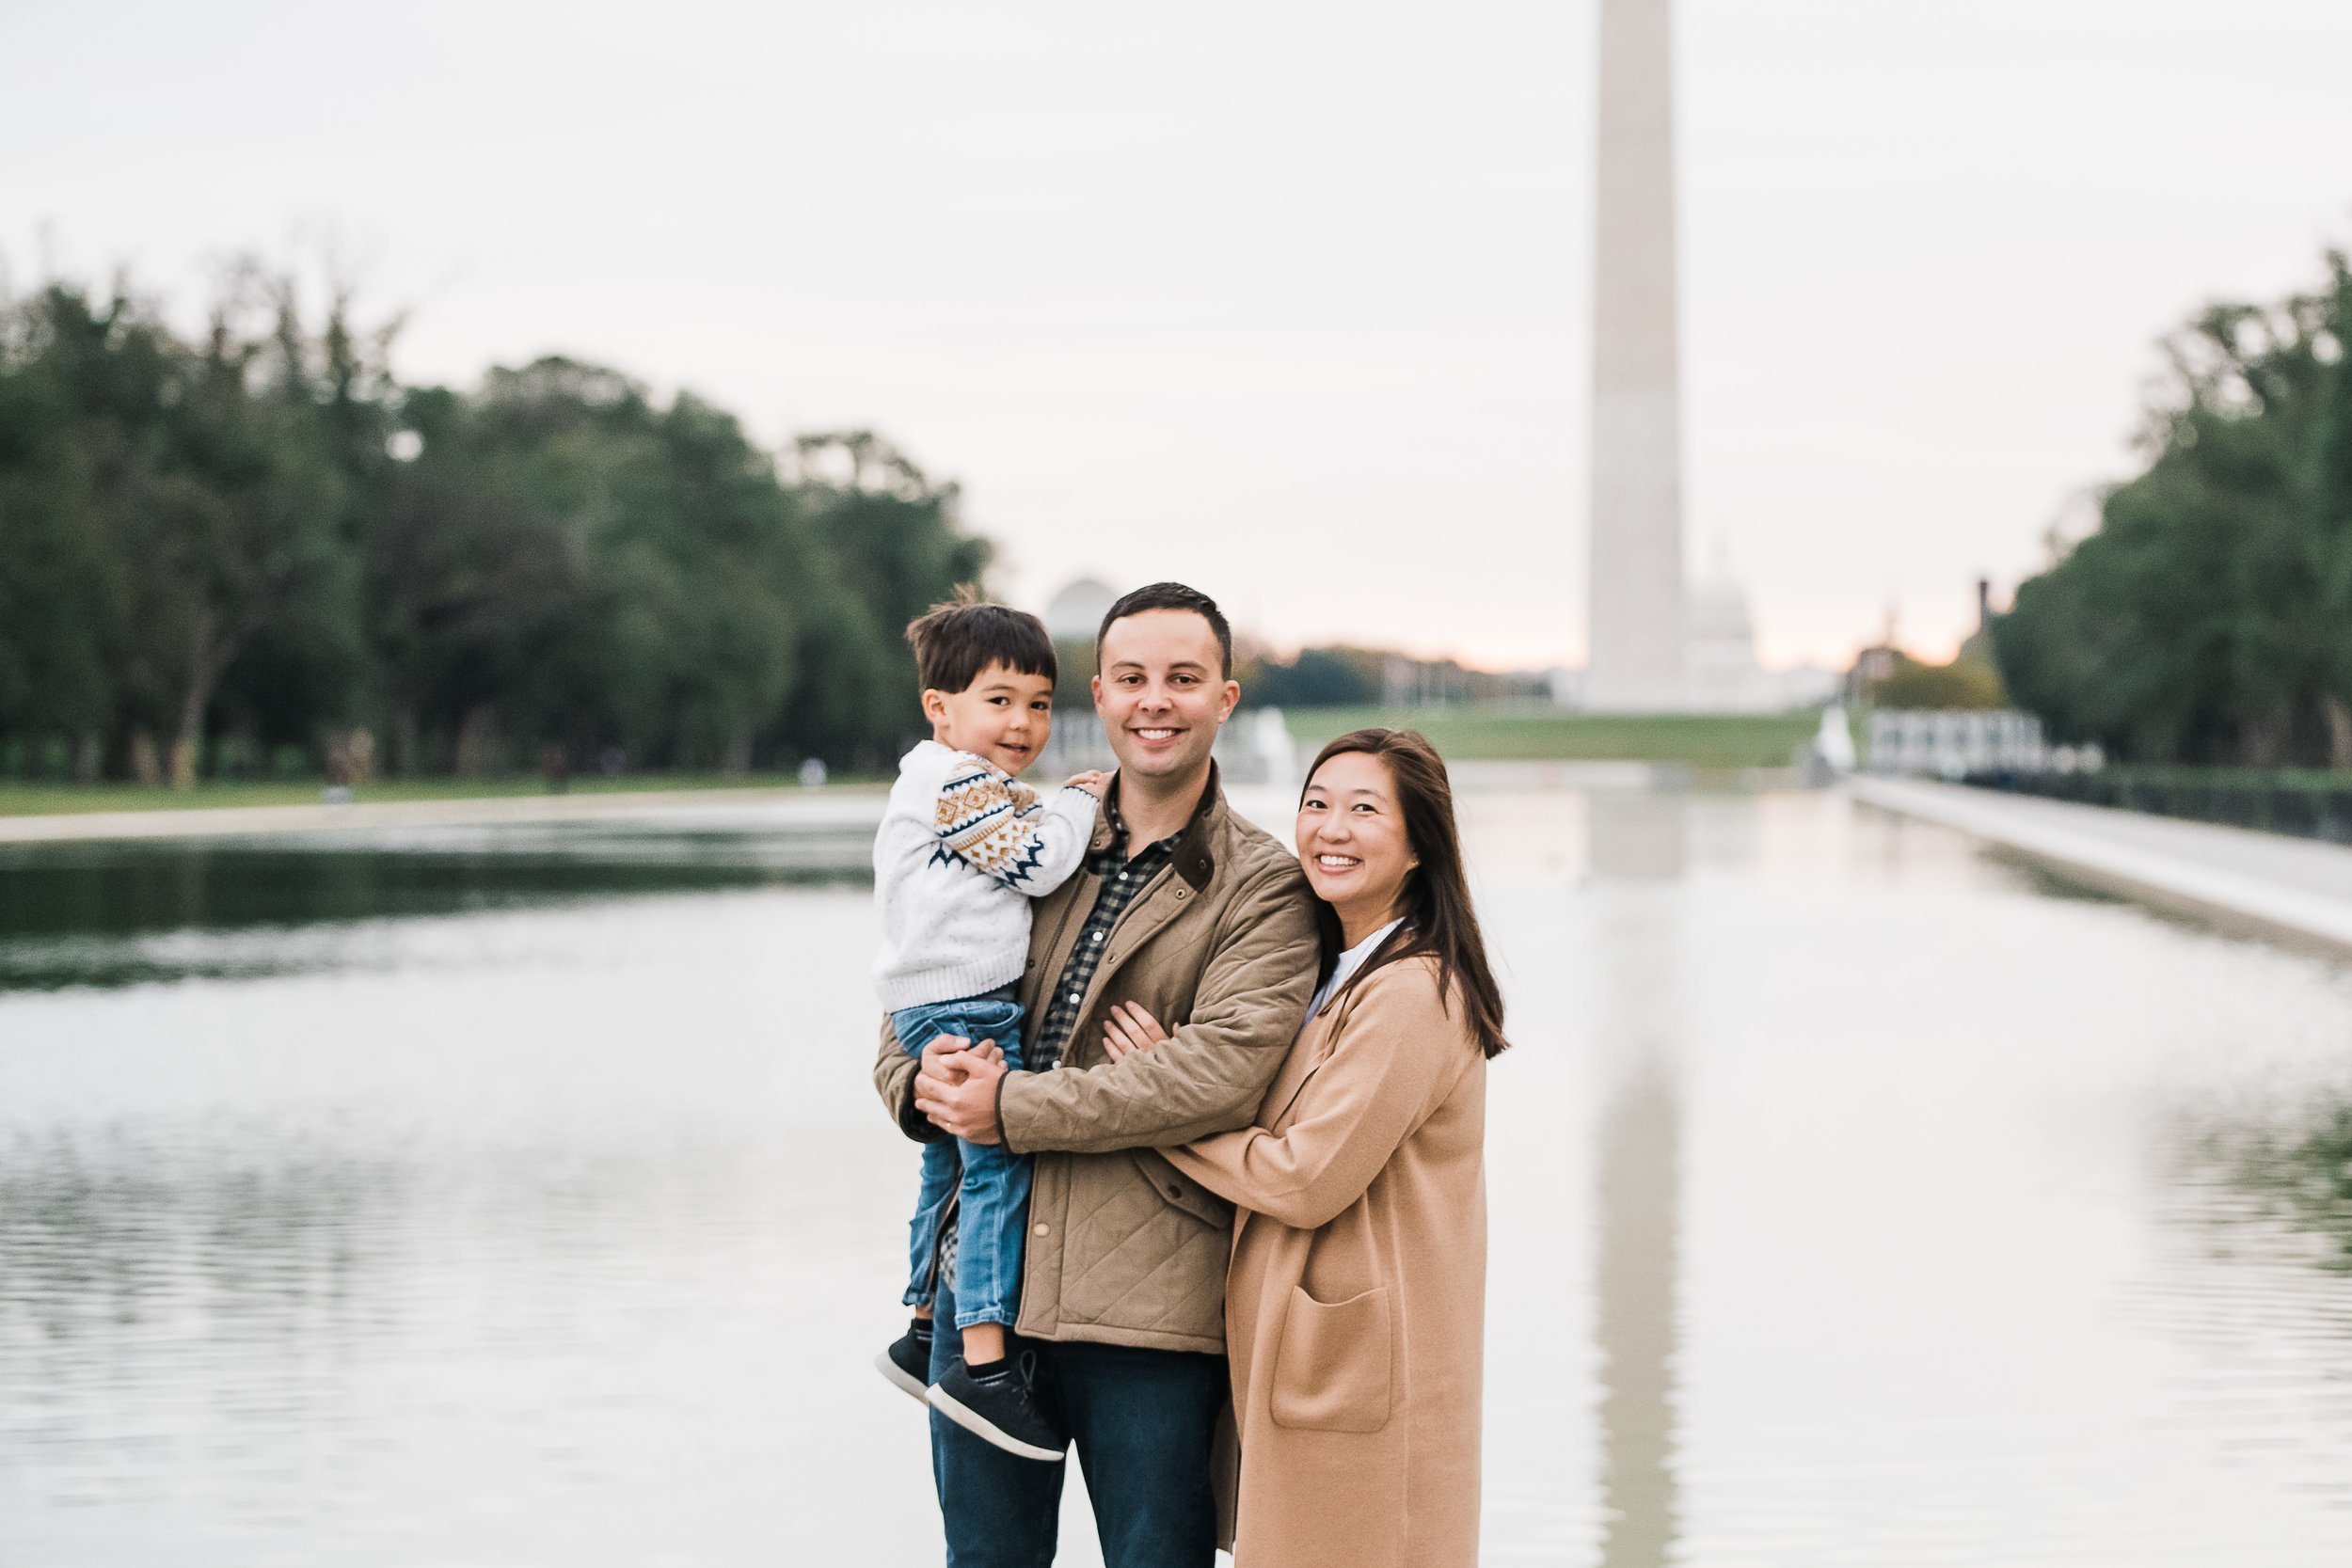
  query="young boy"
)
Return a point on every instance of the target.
[{"x": 962, "y": 851}]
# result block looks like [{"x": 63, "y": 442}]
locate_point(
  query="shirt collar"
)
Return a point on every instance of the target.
[
  {"x": 1195, "y": 862},
  {"x": 1349, "y": 962}
]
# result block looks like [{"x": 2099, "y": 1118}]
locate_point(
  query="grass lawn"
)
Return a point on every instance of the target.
[
  {"x": 20, "y": 800},
  {"x": 1701, "y": 741}
]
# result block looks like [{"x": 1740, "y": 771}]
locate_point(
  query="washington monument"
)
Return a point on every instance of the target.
[{"x": 1636, "y": 567}]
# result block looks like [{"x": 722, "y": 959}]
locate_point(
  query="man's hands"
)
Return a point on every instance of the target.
[{"x": 956, "y": 1087}]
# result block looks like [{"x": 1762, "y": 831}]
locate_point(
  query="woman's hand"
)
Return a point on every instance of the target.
[{"x": 1130, "y": 1029}]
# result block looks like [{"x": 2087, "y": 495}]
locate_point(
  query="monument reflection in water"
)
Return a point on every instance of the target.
[{"x": 1637, "y": 841}]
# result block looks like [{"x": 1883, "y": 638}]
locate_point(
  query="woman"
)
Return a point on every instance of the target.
[{"x": 1355, "y": 1306}]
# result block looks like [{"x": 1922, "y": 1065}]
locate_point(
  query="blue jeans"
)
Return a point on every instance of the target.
[
  {"x": 1142, "y": 1422},
  {"x": 993, "y": 1182}
]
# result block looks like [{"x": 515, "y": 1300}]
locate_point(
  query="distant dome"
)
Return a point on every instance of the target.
[
  {"x": 1075, "y": 613},
  {"x": 1718, "y": 612}
]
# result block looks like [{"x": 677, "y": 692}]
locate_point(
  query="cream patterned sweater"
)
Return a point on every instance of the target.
[{"x": 961, "y": 849}]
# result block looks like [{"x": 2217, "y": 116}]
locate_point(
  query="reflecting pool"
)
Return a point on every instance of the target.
[{"x": 515, "y": 1195}]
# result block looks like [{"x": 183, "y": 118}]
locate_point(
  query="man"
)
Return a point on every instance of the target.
[{"x": 1199, "y": 916}]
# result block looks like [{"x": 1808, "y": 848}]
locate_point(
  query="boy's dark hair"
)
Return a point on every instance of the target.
[
  {"x": 954, "y": 642},
  {"x": 1172, "y": 596}
]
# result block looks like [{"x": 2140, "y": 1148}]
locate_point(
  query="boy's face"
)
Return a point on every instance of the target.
[{"x": 1003, "y": 716}]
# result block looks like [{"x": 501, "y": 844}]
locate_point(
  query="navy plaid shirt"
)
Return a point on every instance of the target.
[{"x": 1122, "y": 880}]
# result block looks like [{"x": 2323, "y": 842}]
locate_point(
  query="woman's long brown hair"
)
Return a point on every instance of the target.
[{"x": 1438, "y": 919}]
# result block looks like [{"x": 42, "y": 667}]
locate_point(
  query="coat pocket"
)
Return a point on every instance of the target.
[
  {"x": 1181, "y": 1190},
  {"x": 1331, "y": 1370}
]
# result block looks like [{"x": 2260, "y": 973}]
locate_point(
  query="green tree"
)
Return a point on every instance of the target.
[
  {"x": 237, "y": 529},
  {"x": 76, "y": 383},
  {"x": 895, "y": 549},
  {"x": 1318, "y": 677},
  {"x": 2206, "y": 619},
  {"x": 1964, "y": 683},
  {"x": 262, "y": 535}
]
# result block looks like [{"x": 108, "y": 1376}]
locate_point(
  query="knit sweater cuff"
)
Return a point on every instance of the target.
[{"x": 950, "y": 982}]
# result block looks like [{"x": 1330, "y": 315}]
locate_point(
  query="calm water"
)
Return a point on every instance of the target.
[{"x": 516, "y": 1197}]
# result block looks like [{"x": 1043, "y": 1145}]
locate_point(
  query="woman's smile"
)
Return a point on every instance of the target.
[{"x": 1352, "y": 841}]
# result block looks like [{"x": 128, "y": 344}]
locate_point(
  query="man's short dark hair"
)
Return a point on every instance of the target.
[
  {"x": 1172, "y": 596},
  {"x": 956, "y": 640}
]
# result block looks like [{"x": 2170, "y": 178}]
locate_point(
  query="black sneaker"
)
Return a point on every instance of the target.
[
  {"x": 907, "y": 1365},
  {"x": 1003, "y": 1410}
]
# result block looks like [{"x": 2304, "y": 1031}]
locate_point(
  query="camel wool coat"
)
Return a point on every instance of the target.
[{"x": 1354, "y": 1309}]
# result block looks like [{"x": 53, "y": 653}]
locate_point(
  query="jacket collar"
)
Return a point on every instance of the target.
[{"x": 1195, "y": 855}]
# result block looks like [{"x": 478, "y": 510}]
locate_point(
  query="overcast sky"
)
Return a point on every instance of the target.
[{"x": 1286, "y": 300}]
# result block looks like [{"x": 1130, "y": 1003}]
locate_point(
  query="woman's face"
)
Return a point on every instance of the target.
[{"x": 1352, "y": 839}]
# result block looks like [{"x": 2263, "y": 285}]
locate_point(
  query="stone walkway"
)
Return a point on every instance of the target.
[{"x": 2295, "y": 884}]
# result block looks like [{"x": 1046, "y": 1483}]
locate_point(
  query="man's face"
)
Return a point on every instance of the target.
[{"x": 1162, "y": 692}]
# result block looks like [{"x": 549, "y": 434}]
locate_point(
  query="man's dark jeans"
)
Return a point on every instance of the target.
[{"x": 1141, "y": 1422}]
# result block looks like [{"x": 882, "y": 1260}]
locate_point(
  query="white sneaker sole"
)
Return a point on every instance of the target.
[
  {"x": 987, "y": 1432},
  {"x": 918, "y": 1391}
]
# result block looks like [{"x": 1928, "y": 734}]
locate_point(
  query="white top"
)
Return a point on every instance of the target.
[
  {"x": 961, "y": 849},
  {"x": 1350, "y": 961}
]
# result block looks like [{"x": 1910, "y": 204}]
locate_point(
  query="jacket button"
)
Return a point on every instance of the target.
[
  {"x": 1041, "y": 1227},
  {"x": 1175, "y": 1192}
]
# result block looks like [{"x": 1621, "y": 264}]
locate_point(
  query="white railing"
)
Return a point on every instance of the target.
[{"x": 1953, "y": 743}]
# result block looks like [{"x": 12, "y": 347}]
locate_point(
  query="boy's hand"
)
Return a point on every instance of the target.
[{"x": 1093, "y": 781}]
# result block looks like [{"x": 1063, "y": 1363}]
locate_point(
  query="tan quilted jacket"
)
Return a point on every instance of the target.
[{"x": 1123, "y": 1250}]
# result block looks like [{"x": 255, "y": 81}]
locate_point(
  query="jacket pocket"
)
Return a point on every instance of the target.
[
  {"x": 1331, "y": 1369},
  {"x": 1181, "y": 1192}
]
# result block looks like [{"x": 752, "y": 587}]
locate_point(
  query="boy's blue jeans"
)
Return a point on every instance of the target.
[{"x": 994, "y": 1185}]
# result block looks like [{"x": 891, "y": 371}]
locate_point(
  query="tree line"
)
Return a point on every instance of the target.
[
  {"x": 2208, "y": 619},
  {"x": 253, "y": 546},
  {"x": 1342, "y": 676}
]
